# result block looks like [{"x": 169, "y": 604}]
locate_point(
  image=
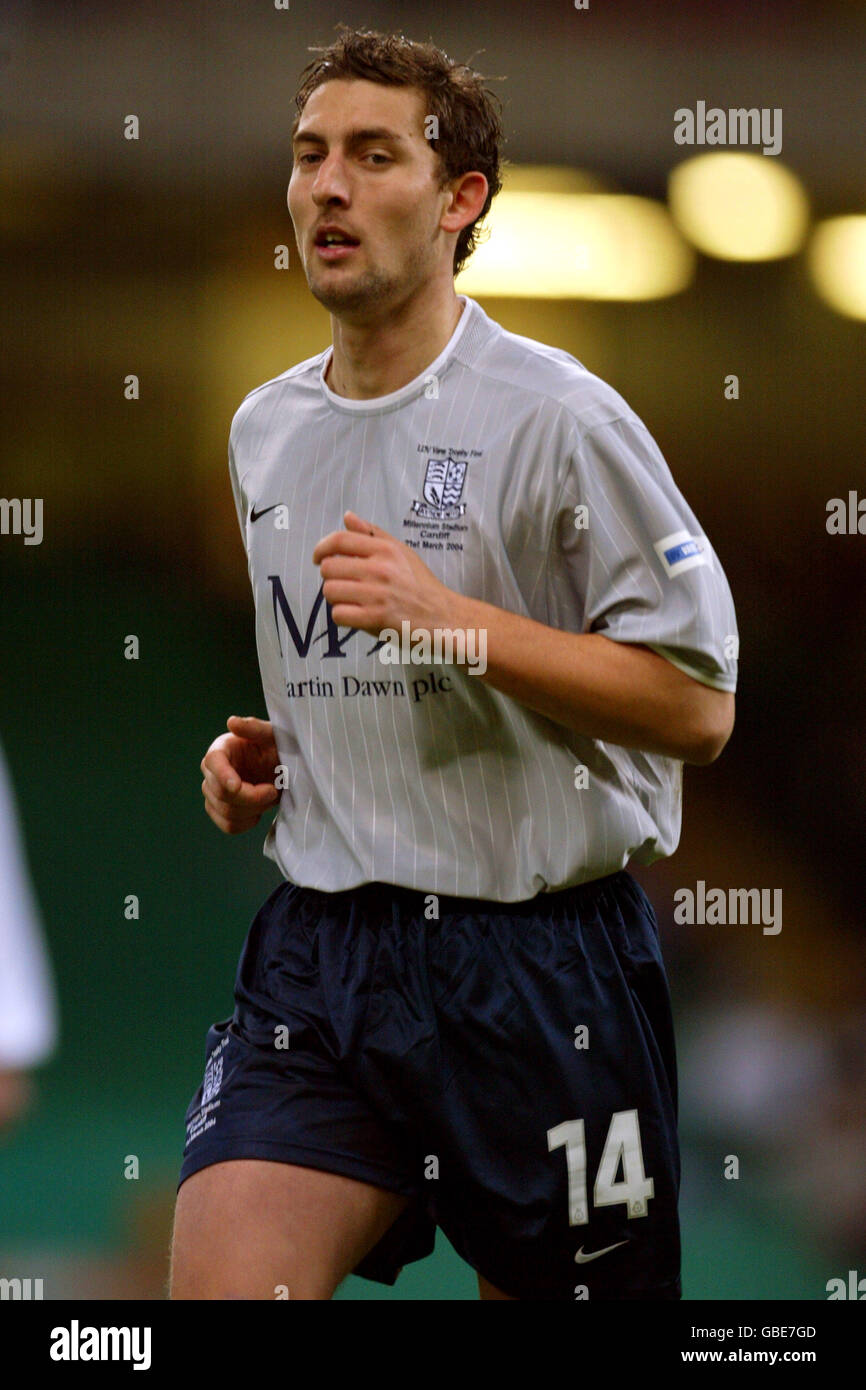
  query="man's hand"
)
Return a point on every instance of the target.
[
  {"x": 374, "y": 581},
  {"x": 239, "y": 770}
]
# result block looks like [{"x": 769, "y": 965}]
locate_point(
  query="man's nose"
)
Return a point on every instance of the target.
[{"x": 330, "y": 181}]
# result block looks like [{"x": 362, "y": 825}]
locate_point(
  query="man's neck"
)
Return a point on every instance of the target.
[{"x": 371, "y": 360}]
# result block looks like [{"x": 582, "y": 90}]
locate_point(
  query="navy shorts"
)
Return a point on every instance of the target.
[{"x": 509, "y": 1067}]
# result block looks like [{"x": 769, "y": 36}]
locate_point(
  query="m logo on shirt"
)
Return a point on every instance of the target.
[
  {"x": 302, "y": 641},
  {"x": 443, "y": 484}
]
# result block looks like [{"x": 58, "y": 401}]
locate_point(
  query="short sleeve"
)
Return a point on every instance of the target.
[{"x": 631, "y": 561}]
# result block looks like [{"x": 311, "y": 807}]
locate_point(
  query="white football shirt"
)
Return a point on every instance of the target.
[{"x": 522, "y": 479}]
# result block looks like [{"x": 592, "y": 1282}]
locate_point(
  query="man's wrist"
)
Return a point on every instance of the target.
[{"x": 464, "y": 613}]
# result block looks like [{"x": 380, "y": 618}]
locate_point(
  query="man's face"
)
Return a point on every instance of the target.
[{"x": 361, "y": 163}]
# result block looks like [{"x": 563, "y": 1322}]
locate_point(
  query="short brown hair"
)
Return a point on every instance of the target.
[{"x": 469, "y": 125}]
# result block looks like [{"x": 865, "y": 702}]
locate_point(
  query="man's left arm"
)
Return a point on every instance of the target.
[{"x": 618, "y": 692}]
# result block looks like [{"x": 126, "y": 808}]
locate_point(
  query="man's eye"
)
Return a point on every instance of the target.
[{"x": 374, "y": 154}]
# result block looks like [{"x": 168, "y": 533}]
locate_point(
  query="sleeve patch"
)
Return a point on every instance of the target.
[{"x": 681, "y": 551}]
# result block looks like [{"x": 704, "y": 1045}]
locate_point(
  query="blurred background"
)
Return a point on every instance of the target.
[{"x": 676, "y": 269}]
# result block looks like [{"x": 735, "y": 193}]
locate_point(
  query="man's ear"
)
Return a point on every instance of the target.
[{"x": 468, "y": 193}]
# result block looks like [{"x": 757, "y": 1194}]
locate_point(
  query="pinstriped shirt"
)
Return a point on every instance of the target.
[{"x": 521, "y": 479}]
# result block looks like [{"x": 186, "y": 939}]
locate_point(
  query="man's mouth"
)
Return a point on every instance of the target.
[{"x": 333, "y": 244}]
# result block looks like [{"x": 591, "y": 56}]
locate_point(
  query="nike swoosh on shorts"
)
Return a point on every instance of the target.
[{"x": 582, "y": 1259}]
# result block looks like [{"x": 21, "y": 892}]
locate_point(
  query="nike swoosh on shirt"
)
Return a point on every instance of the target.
[
  {"x": 254, "y": 515},
  {"x": 582, "y": 1259}
]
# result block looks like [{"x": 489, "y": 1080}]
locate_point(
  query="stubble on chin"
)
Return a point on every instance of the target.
[
  {"x": 373, "y": 289},
  {"x": 356, "y": 295}
]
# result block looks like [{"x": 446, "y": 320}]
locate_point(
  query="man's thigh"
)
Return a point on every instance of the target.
[{"x": 252, "y": 1228}]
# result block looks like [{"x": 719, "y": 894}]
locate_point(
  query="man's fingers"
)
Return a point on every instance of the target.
[
  {"x": 220, "y": 772},
  {"x": 360, "y": 543},
  {"x": 230, "y": 827},
  {"x": 231, "y": 813},
  {"x": 256, "y": 730},
  {"x": 256, "y": 796},
  {"x": 233, "y": 804}
]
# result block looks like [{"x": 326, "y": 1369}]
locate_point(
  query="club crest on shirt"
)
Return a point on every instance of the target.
[{"x": 443, "y": 485}]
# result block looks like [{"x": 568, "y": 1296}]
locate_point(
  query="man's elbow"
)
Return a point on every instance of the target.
[{"x": 713, "y": 730}]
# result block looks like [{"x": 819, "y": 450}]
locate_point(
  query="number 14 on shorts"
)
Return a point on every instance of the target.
[{"x": 621, "y": 1145}]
